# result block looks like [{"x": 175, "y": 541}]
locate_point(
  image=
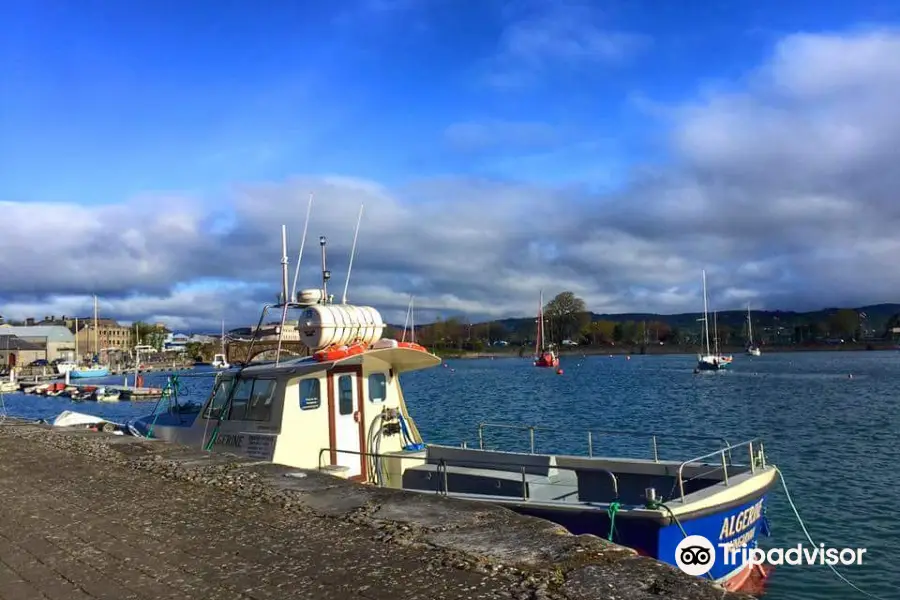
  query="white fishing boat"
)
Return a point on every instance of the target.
[
  {"x": 752, "y": 349},
  {"x": 342, "y": 410},
  {"x": 710, "y": 360},
  {"x": 220, "y": 360}
]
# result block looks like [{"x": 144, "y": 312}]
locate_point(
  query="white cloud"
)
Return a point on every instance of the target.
[{"x": 785, "y": 190}]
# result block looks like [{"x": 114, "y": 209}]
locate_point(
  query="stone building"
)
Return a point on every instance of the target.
[
  {"x": 17, "y": 352},
  {"x": 109, "y": 334},
  {"x": 55, "y": 341}
]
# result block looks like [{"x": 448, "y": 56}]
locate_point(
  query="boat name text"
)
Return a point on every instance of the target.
[
  {"x": 735, "y": 524},
  {"x": 230, "y": 439}
]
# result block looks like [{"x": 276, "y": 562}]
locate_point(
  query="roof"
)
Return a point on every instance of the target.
[
  {"x": 11, "y": 342},
  {"x": 53, "y": 333}
]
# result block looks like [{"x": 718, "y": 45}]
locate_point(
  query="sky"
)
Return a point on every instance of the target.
[{"x": 151, "y": 150}]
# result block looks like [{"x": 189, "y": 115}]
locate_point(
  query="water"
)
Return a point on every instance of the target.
[{"x": 833, "y": 436}]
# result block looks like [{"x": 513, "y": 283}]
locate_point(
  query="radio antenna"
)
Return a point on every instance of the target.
[
  {"x": 302, "y": 244},
  {"x": 326, "y": 274},
  {"x": 284, "y": 265},
  {"x": 352, "y": 253}
]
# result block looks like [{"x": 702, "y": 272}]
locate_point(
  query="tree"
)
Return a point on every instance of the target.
[
  {"x": 567, "y": 314},
  {"x": 844, "y": 322}
]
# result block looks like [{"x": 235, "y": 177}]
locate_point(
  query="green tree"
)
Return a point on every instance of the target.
[
  {"x": 567, "y": 314},
  {"x": 844, "y": 322}
]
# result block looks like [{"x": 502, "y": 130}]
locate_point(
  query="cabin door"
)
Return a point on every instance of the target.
[{"x": 345, "y": 407}]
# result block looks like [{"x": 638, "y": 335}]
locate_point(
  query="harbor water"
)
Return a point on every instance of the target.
[{"x": 829, "y": 420}]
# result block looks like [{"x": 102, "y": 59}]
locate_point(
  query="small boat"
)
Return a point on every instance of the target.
[
  {"x": 752, "y": 349},
  {"x": 65, "y": 366},
  {"x": 347, "y": 416},
  {"x": 545, "y": 355},
  {"x": 220, "y": 361},
  {"x": 102, "y": 394},
  {"x": 9, "y": 386},
  {"x": 710, "y": 361},
  {"x": 96, "y": 370},
  {"x": 70, "y": 418}
]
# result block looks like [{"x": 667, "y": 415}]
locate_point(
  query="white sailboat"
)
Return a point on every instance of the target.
[
  {"x": 96, "y": 369},
  {"x": 752, "y": 349},
  {"x": 710, "y": 361},
  {"x": 219, "y": 361}
]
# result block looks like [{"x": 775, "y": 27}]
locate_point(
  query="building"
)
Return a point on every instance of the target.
[
  {"x": 17, "y": 352},
  {"x": 109, "y": 335},
  {"x": 176, "y": 342},
  {"x": 56, "y": 341}
]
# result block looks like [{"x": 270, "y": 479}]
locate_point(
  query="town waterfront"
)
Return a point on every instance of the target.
[{"x": 833, "y": 435}]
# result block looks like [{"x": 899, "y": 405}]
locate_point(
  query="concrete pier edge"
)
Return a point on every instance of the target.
[{"x": 542, "y": 560}]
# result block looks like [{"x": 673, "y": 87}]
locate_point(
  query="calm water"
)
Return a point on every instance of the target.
[{"x": 834, "y": 437}]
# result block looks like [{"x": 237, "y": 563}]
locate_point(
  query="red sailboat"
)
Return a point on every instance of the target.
[{"x": 544, "y": 354}]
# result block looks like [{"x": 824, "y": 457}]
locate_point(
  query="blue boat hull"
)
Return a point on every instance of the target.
[
  {"x": 739, "y": 522},
  {"x": 88, "y": 373}
]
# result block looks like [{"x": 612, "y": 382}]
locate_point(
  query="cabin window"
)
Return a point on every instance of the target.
[
  {"x": 345, "y": 394},
  {"x": 259, "y": 408},
  {"x": 310, "y": 394},
  {"x": 219, "y": 399},
  {"x": 239, "y": 399},
  {"x": 377, "y": 387}
]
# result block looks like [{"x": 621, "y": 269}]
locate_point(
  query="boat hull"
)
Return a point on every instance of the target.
[
  {"x": 659, "y": 539},
  {"x": 87, "y": 373}
]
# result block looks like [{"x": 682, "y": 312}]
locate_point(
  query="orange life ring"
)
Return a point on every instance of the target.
[
  {"x": 332, "y": 353},
  {"x": 412, "y": 346}
]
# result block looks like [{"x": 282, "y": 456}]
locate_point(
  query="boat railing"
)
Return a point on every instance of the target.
[
  {"x": 493, "y": 465},
  {"x": 594, "y": 433},
  {"x": 724, "y": 454}
]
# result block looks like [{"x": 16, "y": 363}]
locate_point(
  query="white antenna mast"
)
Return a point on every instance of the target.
[
  {"x": 412, "y": 319},
  {"x": 406, "y": 323},
  {"x": 284, "y": 290},
  {"x": 302, "y": 244},
  {"x": 352, "y": 254}
]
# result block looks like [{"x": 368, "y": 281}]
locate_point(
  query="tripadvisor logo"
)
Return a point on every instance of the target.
[{"x": 695, "y": 555}]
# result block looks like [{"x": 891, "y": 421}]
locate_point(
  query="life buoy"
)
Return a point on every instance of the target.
[
  {"x": 412, "y": 346},
  {"x": 332, "y": 353}
]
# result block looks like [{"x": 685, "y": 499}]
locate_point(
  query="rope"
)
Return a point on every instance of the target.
[
  {"x": 612, "y": 511},
  {"x": 812, "y": 543},
  {"x": 656, "y": 504},
  {"x": 169, "y": 392}
]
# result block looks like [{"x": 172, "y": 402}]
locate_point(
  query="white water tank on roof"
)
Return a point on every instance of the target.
[{"x": 322, "y": 325}]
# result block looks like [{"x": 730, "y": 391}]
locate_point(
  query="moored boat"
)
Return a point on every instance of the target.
[
  {"x": 710, "y": 361},
  {"x": 342, "y": 410},
  {"x": 545, "y": 354}
]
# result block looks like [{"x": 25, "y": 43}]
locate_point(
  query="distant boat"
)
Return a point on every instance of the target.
[
  {"x": 544, "y": 354},
  {"x": 710, "y": 361},
  {"x": 96, "y": 370},
  {"x": 65, "y": 366},
  {"x": 220, "y": 361},
  {"x": 752, "y": 349}
]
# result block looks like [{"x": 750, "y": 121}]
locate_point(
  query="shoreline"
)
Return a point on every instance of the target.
[{"x": 670, "y": 350}]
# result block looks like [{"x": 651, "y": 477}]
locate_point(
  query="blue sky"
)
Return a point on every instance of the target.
[
  {"x": 116, "y": 99},
  {"x": 105, "y": 103}
]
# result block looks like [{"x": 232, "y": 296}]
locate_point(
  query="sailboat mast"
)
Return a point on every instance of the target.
[
  {"x": 749, "y": 325},
  {"x": 222, "y": 339},
  {"x": 705, "y": 313},
  {"x": 716, "y": 330},
  {"x": 76, "y": 339},
  {"x": 541, "y": 317},
  {"x": 96, "y": 331}
]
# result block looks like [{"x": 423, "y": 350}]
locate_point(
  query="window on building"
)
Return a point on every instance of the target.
[
  {"x": 259, "y": 408},
  {"x": 310, "y": 394},
  {"x": 219, "y": 399},
  {"x": 377, "y": 387},
  {"x": 345, "y": 394}
]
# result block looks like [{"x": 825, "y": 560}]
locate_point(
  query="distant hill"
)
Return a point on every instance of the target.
[{"x": 877, "y": 316}]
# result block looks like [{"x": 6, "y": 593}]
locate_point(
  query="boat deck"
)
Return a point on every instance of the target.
[{"x": 94, "y": 516}]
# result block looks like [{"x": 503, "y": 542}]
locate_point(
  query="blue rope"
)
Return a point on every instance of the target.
[{"x": 404, "y": 431}]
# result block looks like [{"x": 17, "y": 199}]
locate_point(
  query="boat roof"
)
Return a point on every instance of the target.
[{"x": 400, "y": 360}]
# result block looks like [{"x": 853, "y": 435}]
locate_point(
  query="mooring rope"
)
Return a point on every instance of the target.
[{"x": 812, "y": 543}]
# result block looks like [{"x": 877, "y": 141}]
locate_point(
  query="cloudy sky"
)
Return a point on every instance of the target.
[{"x": 150, "y": 152}]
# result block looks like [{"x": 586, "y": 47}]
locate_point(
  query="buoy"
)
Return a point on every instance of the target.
[
  {"x": 627, "y": 358},
  {"x": 559, "y": 371},
  {"x": 850, "y": 376}
]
